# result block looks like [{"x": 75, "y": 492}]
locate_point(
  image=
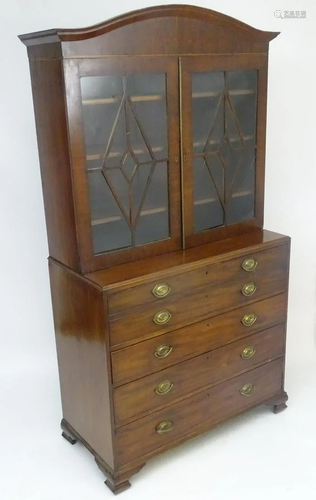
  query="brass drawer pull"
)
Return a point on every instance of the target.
[
  {"x": 248, "y": 289},
  {"x": 161, "y": 290},
  {"x": 164, "y": 388},
  {"x": 163, "y": 351},
  {"x": 248, "y": 352},
  {"x": 162, "y": 317},
  {"x": 164, "y": 427},
  {"x": 247, "y": 390},
  {"x": 249, "y": 265},
  {"x": 249, "y": 319}
]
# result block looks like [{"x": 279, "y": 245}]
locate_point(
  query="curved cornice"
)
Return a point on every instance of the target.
[{"x": 189, "y": 11}]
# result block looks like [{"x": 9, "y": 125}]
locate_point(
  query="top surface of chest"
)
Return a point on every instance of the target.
[{"x": 132, "y": 274}]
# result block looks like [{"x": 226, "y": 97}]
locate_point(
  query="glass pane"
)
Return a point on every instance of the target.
[
  {"x": 148, "y": 95},
  {"x": 207, "y": 89},
  {"x": 224, "y": 143},
  {"x": 208, "y": 211},
  {"x": 242, "y": 91},
  {"x": 110, "y": 236},
  {"x": 101, "y": 95},
  {"x": 153, "y": 223},
  {"x": 105, "y": 213},
  {"x": 240, "y": 205},
  {"x": 126, "y": 139},
  {"x": 139, "y": 184}
]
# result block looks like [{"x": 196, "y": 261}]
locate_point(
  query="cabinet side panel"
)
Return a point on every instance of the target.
[
  {"x": 81, "y": 339},
  {"x": 51, "y": 128}
]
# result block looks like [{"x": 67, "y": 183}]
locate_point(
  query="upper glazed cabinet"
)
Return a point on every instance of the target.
[{"x": 149, "y": 141}]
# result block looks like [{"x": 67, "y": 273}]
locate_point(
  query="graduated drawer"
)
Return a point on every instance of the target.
[
  {"x": 160, "y": 352},
  {"x": 148, "y": 394},
  {"x": 170, "y": 286},
  {"x": 203, "y": 303},
  {"x": 193, "y": 415}
]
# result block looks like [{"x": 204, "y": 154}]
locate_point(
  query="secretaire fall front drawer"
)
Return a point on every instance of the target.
[
  {"x": 154, "y": 319},
  {"x": 155, "y": 354},
  {"x": 249, "y": 266},
  {"x": 136, "y": 399}
]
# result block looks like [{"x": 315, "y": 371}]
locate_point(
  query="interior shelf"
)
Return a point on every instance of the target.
[
  {"x": 117, "y": 217},
  {"x": 134, "y": 98},
  {"x": 201, "y": 95},
  {"x": 117, "y": 154},
  {"x": 210, "y": 200},
  {"x": 159, "y": 210},
  {"x": 159, "y": 97},
  {"x": 214, "y": 143}
]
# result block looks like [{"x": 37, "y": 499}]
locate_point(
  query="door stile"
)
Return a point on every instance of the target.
[
  {"x": 186, "y": 153},
  {"x": 181, "y": 155}
]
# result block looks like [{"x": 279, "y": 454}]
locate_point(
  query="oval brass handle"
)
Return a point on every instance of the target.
[
  {"x": 248, "y": 289},
  {"x": 249, "y": 265},
  {"x": 164, "y": 427},
  {"x": 248, "y": 352},
  {"x": 161, "y": 290},
  {"x": 249, "y": 319},
  {"x": 164, "y": 388},
  {"x": 247, "y": 390},
  {"x": 162, "y": 317},
  {"x": 163, "y": 351}
]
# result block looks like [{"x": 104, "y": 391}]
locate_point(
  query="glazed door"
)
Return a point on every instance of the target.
[
  {"x": 125, "y": 149},
  {"x": 223, "y": 102}
]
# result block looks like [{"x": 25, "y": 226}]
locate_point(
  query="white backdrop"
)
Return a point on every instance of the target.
[{"x": 27, "y": 340}]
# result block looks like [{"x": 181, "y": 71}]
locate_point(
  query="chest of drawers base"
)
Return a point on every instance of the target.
[
  {"x": 197, "y": 343},
  {"x": 119, "y": 480}
]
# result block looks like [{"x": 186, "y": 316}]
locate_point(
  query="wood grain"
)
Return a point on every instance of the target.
[
  {"x": 138, "y": 360},
  {"x": 103, "y": 304},
  {"x": 231, "y": 28},
  {"x": 84, "y": 365},
  {"x": 209, "y": 275},
  {"x": 134, "y": 273},
  {"x": 136, "y": 399},
  {"x": 197, "y": 413},
  {"x": 51, "y": 129},
  {"x": 206, "y": 302}
]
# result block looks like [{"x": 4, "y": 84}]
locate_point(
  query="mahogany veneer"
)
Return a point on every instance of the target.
[{"x": 169, "y": 299}]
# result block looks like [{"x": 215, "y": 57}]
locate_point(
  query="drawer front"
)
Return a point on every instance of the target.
[
  {"x": 160, "y": 352},
  {"x": 157, "y": 291},
  {"x": 205, "y": 302},
  {"x": 194, "y": 415},
  {"x": 148, "y": 394}
]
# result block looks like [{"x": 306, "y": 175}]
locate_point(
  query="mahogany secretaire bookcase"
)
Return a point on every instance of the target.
[{"x": 169, "y": 299}]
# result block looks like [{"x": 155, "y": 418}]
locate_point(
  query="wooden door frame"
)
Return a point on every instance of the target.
[
  {"x": 227, "y": 62},
  {"x": 73, "y": 70}
]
